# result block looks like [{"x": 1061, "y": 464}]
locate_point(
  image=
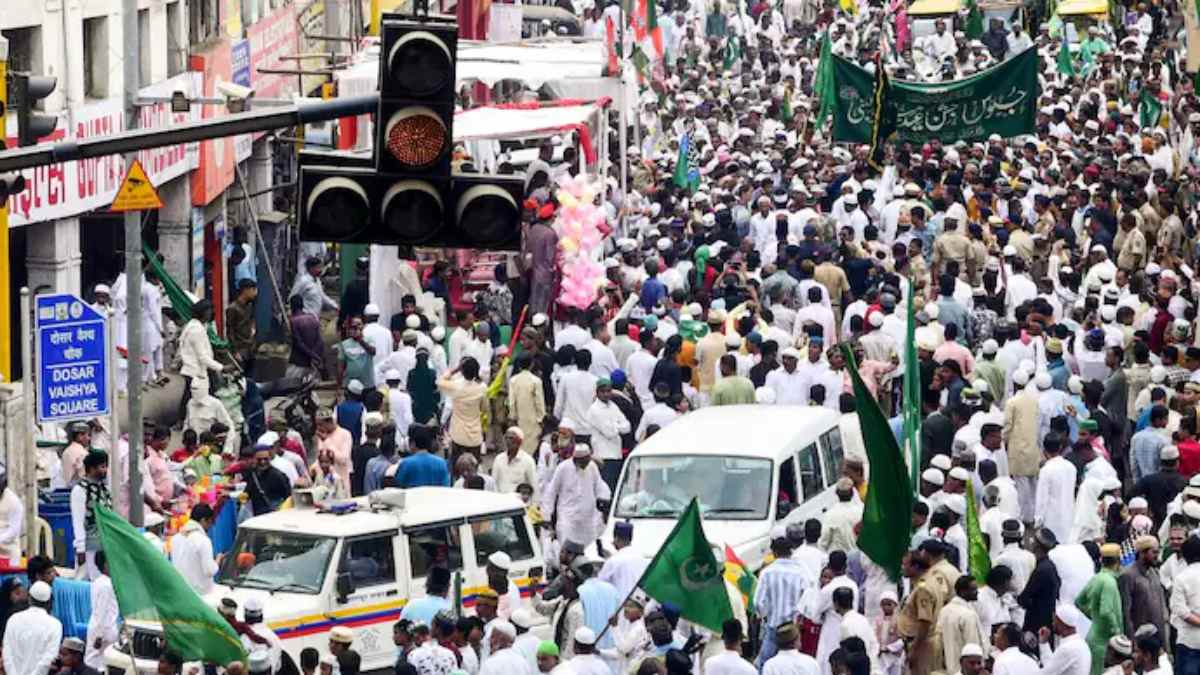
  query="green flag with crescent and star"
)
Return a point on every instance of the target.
[{"x": 686, "y": 573}]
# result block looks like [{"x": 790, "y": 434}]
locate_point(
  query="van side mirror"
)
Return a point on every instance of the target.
[{"x": 345, "y": 586}]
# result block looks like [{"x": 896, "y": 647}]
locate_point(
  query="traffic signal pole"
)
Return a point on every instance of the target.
[
  {"x": 5, "y": 280},
  {"x": 188, "y": 132},
  {"x": 133, "y": 279}
]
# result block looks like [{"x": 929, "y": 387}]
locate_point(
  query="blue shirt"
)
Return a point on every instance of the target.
[
  {"x": 653, "y": 290},
  {"x": 424, "y": 609},
  {"x": 1144, "y": 449},
  {"x": 423, "y": 469},
  {"x": 349, "y": 416},
  {"x": 376, "y": 467}
]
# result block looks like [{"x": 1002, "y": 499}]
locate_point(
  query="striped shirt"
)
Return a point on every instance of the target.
[{"x": 780, "y": 586}]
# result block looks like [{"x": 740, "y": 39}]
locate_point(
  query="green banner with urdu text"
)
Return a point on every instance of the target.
[{"x": 1001, "y": 100}]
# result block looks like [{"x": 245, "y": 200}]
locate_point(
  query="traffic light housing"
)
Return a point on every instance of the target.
[
  {"x": 355, "y": 204},
  {"x": 24, "y": 91},
  {"x": 406, "y": 192}
]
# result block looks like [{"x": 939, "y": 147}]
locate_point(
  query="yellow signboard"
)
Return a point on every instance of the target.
[{"x": 137, "y": 193}]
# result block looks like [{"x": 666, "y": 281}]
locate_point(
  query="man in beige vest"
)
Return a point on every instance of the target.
[{"x": 1021, "y": 439}]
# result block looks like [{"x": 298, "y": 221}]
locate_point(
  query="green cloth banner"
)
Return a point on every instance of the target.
[{"x": 1001, "y": 100}]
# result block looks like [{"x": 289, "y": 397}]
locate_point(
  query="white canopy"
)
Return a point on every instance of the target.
[
  {"x": 523, "y": 121},
  {"x": 534, "y": 63}
]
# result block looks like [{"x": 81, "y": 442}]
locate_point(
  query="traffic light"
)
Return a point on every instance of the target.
[
  {"x": 406, "y": 193},
  {"x": 25, "y": 90}
]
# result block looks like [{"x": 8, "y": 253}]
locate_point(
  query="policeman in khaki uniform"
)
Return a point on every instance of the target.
[{"x": 917, "y": 620}]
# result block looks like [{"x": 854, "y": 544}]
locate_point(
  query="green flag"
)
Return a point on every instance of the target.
[
  {"x": 686, "y": 573},
  {"x": 1149, "y": 109},
  {"x": 979, "y": 562},
  {"x": 686, "y": 175},
  {"x": 785, "y": 111},
  {"x": 1066, "y": 66},
  {"x": 910, "y": 397},
  {"x": 974, "y": 26},
  {"x": 824, "y": 86},
  {"x": 883, "y": 115},
  {"x": 733, "y": 51},
  {"x": 887, "y": 514},
  {"x": 149, "y": 588}
]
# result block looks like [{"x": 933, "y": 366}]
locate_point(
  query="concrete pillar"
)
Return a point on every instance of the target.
[
  {"x": 260, "y": 177},
  {"x": 53, "y": 256},
  {"x": 175, "y": 230}
]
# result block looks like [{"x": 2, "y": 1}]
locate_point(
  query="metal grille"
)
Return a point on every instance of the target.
[{"x": 147, "y": 645}]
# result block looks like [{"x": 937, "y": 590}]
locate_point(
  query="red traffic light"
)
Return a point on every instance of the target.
[{"x": 416, "y": 137}]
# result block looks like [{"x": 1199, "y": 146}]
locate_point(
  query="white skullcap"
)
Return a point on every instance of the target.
[
  {"x": 354, "y": 387},
  {"x": 941, "y": 462},
  {"x": 733, "y": 340},
  {"x": 371, "y": 310},
  {"x": 990, "y": 346},
  {"x": 391, "y": 374},
  {"x": 582, "y": 450},
  {"x": 585, "y": 636},
  {"x": 1108, "y": 313},
  {"x": 412, "y": 321},
  {"x": 889, "y": 595},
  {"x": 956, "y": 503},
  {"x": 1069, "y": 615},
  {"x": 40, "y": 591},
  {"x": 437, "y": 333},
  {"x": 959, "y": 473},
  {"x": 971, "y": 649},
  {"x": 500, "y": 560},
  {"x": 876, "y": 319},
  {"x": 1043, "y": 380},
  {"x": 1139, "y": 503},
  {"x": 267, "y": 440},
  {"x": 253, "y": 604},
  {"x": 103, "y": 288},
  {"x": 504, "y": 628},
  {"x": 539, "y": 319},
  {"x": 932, "y": 475},
  {"x": 1075, "y": 384},
  {"x": 1021, "y": 377}
]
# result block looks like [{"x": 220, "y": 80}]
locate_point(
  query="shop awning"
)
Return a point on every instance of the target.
[
  {"x": 926, "y": 7},
  {"x": 1077, "y": 7},
  {"x": 529, "y": 120}
]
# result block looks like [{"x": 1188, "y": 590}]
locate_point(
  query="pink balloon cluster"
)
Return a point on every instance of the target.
[{"x": 579, "y": 237}]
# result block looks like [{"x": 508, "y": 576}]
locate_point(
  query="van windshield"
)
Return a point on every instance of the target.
[
  {"x": 729, "y": 488},
  {"x": 277, "y": 561}
]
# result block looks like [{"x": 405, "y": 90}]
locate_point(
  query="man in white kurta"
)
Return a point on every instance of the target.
[
  {"x": 12, "y": 522},
  {"x": 1072, "y": 657},
  {"x": 572, "y": 495},
  {"x": 102, "y": 626},
  {"x": 837, "y": 524},
  {"x": 32, "y": 637},
  {"x": 504, "y": 660},
  {"x": 192, "y": 551},
  {"x": 1055, "y": 502},
  {"x": 624, "y": 567},
  {"x": 827, "y": 615}
]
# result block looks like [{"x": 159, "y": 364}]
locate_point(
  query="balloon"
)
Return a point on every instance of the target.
[
  {"x": 566, "y": 199},
  {"x": 568, "y": 245}
]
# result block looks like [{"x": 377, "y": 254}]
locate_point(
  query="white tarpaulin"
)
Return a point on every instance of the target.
[
  {"x": 534, "y": 63},
  {"x": 520, "y": 121}
]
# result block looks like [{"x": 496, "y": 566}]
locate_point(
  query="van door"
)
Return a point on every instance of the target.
[
  {"x": 429, "y": 546},
  {"x": 511, "y": 533},
  {"x": 367, "y": 568}
]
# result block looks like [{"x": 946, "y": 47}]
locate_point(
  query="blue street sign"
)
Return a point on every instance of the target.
[{"x": 72, "y": 359}]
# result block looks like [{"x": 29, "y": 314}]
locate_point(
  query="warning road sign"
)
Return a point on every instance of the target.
[{"x": 137, "y": 193}]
